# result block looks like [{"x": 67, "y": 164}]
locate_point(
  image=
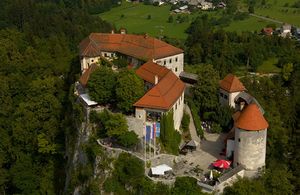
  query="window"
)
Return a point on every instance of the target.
[
  {"x": 225, "y": 96},
  {"x": 176, "y": 59},
  {"x": 165, "y": 62},
  {"x": 105, "y": 55},
  {"x": 176, "y": 106},
  {"x": 170, "y": 60},
  {"x": 239, "y": 139},
  {"x": 92, "y": 60},
  {"x": 221, "y": 94},
  {"x": 176, "y": 69}
]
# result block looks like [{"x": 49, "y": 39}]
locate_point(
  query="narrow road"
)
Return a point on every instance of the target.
[
  {"x": 192, "y": 127},
  {"x": 268, "y": 19}
]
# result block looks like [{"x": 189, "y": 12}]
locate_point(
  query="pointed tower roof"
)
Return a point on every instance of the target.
[
  {"x": 232, "y": 84},
  {"x": 251, "y": 119}
]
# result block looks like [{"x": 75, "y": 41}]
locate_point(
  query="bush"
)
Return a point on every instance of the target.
[
  {"x": 168, "y": 135},
  {"x": 128, "y": 139},
  {"x": 216, "y": 128},
  {"x": 120, "y": 63},
  {"x": 185, "y": 122}
]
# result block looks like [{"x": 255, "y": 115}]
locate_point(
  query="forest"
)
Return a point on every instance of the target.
[{"x": 39, "y": 63}]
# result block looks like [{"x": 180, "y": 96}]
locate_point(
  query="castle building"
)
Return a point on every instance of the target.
[
  {"x": 165, "y": 93},
  {"x": 230, "y": 88},
  {"x": 250, "y": 138},
  {"x": 246, "y": 142},
  {"x": 136, "y": 49},
  {"x": 158, "y": 64}
]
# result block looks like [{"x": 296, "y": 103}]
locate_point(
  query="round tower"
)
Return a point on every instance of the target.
[{"x": 250, "y": 138}]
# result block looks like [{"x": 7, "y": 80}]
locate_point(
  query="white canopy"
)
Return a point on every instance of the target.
[
  {"x": 160, "y": 169},
  {"x": 86, "y": 98}
]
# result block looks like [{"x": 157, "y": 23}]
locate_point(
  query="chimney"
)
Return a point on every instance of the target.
[
  {"x": 155, "y": 79},
  {"x": 112, "y": 32},
  {"x": 122, "y": 31}
]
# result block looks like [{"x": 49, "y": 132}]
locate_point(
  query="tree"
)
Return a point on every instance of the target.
[
  {"x": 170, "y": 19},
  {"x": 169, "y": 137},
  {"x": 186, "y": 185},
  {"x": 102, "y": 84},
  {"x": 128, "y": 139},
  {"x": 116, "y": 125},
  {"x": 287, "y": 70},
  {"x": 205, "y": 90},
  {"x": 129, "y": 89}
]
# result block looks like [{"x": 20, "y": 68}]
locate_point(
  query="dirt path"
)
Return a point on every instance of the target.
[{"x": 192, "y": 127}]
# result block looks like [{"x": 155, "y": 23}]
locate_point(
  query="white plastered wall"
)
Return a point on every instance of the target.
[
  {"x": 174, "y": 63},
  {"x": 178, "y": 108},
  {"x": 87, "y": 61}
]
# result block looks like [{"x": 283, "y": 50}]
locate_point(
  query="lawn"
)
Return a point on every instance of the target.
[
  {"x": 276, "y": 9},
  {"x": 269, "y": 66},
  {"x": 136, "y": 20},
  {"x": 250, "y": 24}
]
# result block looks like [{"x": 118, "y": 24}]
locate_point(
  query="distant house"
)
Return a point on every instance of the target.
[
  {"x": 221, "y": 5},
  {"x": 267, "y": 31},
  {"x": 285, "y": 30},
  {"x": 183, "y": 7},
  {"x": 206, "y": 5}
]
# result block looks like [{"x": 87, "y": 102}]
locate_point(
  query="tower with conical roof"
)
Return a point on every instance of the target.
[
  {"x": 230, "y": 87},
  {"x": 250, "y": 138}
]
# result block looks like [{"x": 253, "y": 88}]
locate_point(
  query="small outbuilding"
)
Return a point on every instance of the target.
[{"x": 160, "y": 170}]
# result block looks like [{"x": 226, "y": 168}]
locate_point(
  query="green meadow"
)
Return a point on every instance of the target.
[
  {"x": 281, "y": 10},
  {"x": 140, "y": 18}
]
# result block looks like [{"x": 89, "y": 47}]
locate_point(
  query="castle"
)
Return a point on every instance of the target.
[
  {"x": 246, "y": 142},
  {"x": 158, "y": 64}
]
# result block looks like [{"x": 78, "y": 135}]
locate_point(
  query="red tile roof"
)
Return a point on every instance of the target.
[
  {"x": 164, "y": 94},
  {"x": 86, "y": 75},
  {"x": 267, "y": 31},
  {"x": 251, "y": 119},
  {"x": 138, "y": 46},
  {"x": 232, "y": 84},
  {"x": 149, "y": 70}
]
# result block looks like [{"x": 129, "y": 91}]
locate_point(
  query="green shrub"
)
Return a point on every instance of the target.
[
  {"x": 129, "y": 139},
  {"x": 185, "y": 122},
  {"x": 216, "y": 128}
]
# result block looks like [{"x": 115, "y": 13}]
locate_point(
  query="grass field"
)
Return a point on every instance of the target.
[
  {"x": 269, "y": 66},
  {"x": 249, "y": 24},
  {"x": 136, "y": 20},
  {"x": 134, "y": 17},
  {"x": 276, "y": 10}
]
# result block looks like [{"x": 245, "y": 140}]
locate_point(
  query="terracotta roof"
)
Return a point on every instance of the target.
[
  {"x": 267, "y": 31},
  {"x": 86, "y": 75},
  {"x": 138, "y": 46},
  {"x": 149, "y": 70},
  {"x": 251, "y": 119},
  {"x": 232, "y": 84},
  {"x": 164, "y": 94}
]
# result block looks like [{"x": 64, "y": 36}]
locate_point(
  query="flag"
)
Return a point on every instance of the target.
[
  {"x": 154, "y": 130},
  {"x": 157, "y": 130},
  {"x": 148, "y": 133}
]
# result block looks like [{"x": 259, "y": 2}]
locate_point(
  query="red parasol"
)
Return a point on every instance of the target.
[{"x": 223, "y": 164}]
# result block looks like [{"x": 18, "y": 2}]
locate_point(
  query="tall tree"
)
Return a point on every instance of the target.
[{"x": 129, "y": 89}]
